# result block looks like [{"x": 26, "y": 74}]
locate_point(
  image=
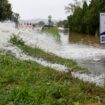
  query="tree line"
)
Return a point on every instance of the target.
[
  {"x": 6, "y": 12},
  {"x": 85, "y": 18}
]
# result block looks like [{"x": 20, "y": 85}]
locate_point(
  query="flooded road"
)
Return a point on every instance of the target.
[
  {"x": 86, "y": 50},
  {"x": 88, "y": 56}
]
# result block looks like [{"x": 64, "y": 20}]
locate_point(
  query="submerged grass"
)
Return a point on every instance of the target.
[
  {"x": 54, "y": 31},
  {"x": 28, "y": 83},
  {"x": 50, "y": 57}
]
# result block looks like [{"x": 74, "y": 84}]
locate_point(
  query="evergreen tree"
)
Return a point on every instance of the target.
[
  {"x": 85, "y": 19},
  {"x": 5, "y": 10}
]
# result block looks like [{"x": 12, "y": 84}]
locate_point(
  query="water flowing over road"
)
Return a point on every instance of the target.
[{"x": 86, "y": 56}]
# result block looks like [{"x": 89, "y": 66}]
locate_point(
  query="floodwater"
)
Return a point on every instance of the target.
[
  {"x": 85, "y": 39},
  {"x": 91, "y": 54},
  {"x": 87, "y": 55}
]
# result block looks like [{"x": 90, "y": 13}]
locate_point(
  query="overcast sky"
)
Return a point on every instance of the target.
[{"x": 33, "y": 9}]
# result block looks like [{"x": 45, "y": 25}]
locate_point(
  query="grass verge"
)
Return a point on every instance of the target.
[
  {"x": 28, "y": 83},
  {"x": 50, "y": 57}
]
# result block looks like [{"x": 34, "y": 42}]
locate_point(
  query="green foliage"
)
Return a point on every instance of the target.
[
  {"x": 63, "y": 23},
  {"x": 5, "y": 10},
  {"x": 85, "y": 19},
  {"x": 41, "y": 23},
  {"x": 16, "y": 40},
  {"x": 54, "y": 32},
  {"x": 15, "y": 18},
  {"x": 28, "y": 83}
]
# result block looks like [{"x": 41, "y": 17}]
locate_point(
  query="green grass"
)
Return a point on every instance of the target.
[
  {"x": 54, "y": 32},
  {"x": 50, "y": 57},
  {"x": 28, "y": 83}
]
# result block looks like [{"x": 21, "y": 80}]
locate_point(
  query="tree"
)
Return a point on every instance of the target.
[
  {"x": 92, "y": 17},
  {"x": 85, "y": 18},
  {"x": 49, "y": 19},
  {"x": 72, "y": 6},
  {"x": 41, "y": 23},
  {"x": 84, "y": 11},
  {"x": 102, "y": 5},
  {"x": 63, "y": 23},
  {"x": 50, "y": 22},
  {"x": 5, "y": 10},
  {"x": 15, "y": 18}
]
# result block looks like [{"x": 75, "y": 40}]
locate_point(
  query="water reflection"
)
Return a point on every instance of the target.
[{"x": 85, "y": 39}]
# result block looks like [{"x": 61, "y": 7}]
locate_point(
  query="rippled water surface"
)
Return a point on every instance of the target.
[
  {"x": 85, "y": 50},
  {"x": 87, "y": 55}
]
